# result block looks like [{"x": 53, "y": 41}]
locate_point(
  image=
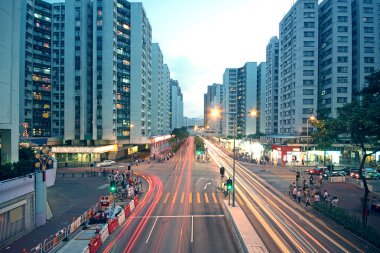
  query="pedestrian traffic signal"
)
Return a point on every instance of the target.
[
  {"x": 229, "y": 184},
  {"x": 222, "y": 170},
  {"x": 113, "y": 186}
]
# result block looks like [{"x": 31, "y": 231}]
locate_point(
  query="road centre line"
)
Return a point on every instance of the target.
[
  {"x": 198, "y": 198},
  {"x": 206, "y": 198},
  {"x": 174, "y": 198},
  {"x": 214, "y": 197},
  {"x": 147, "y": 239},
  {"x": 191, "y": 197},
  {"x": 166, "y": 198},
  {"x": 182, "y": 197}
]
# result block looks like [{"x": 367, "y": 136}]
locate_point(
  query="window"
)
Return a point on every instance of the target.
[
  {"x": 308, "y": 43},
  {"x": 341, "y": 89},
  {"x": 369, "y": 70},
  {"x": 309, "y": 5},
  {"x": 342, "y": 100},
  {"x": 308, "y": 72},
  {"x": 342, "y": 49},
  {"x": 308, "y": 53},
  {"x": 309, "y": 24},
  {"x": 308, "y": 92},
  {"x": 342, "y": 29},
  {"x": 369, "y": 40},
  {"x": 308, "y": 101},
  {"x": 342, "y": 80},
  {"x": 368, "y": 29},
  {"x": 342, "y": 19},
  {"x": 342, "y": 70},
  {"x": 307, "y": 110},
  {"x": 309, "y": 15},
  {"x": 368, "y": 20},
  {"x": 308, "y": 82},
  {"x": 342, "y": 59},
  {"x": 369, "y": 50},
  {"x": 308, "y": 63},
  {"x": 308, "y": 34},
  {"x": 342, "y": 38},
  {"x": 369, "y": 59},
  {"x": 368, "y": 10},
  {"x": 342, "y": 9}
]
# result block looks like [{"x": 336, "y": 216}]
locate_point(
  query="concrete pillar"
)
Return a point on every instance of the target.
[
  {"x": 9, "y": 148},
  {"x": 41, "y": 198}
]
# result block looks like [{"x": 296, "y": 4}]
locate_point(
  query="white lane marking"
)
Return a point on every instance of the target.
[
  {"x": 206, "y": 185},
  {"x": 147, "y": 239},
  {"x": 103, "y": 187},
  {"x": 192, "y": 228}
]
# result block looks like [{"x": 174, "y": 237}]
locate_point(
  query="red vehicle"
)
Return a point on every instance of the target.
[{"x": 317, "y": 170}]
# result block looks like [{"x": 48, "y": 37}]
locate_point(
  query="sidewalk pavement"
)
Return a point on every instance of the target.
[{"x": 69, "y": 198}]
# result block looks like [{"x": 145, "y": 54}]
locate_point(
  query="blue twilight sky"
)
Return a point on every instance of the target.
[{"x": 201, "y": 38}]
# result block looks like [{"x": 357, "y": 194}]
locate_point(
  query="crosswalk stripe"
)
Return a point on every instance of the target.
[
  {"x": 214, "y": 198},
  {"x": 191, "y": 198},
  {"x": 174, "y": 198},
  {"x": 240, "y": 201},
  {"x": 206, "y": 198},
  {"x": 182, "y": 197},
  {"x": 166, "y": 198},
  {"x": 198, "y": 198}
]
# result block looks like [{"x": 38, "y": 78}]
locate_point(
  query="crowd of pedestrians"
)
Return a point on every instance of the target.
[
  {"x": 126, "y": 185},
  {"x": 311, "y": 193}
]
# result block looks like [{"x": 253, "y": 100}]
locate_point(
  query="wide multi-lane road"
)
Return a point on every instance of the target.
[
  {"x": 284, "y": 225},
  {"x": 181, "y": 211}
]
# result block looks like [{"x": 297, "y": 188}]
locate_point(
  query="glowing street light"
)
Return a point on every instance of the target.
[{"x": 216, "y": 113}]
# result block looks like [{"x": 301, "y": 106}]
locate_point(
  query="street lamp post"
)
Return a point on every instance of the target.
[
  {"x": 307, "y": 137},
  {"x": 253, "y": 113}
]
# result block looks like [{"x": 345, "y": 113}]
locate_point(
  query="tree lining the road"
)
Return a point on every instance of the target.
[{"x": 357, "y": 123}]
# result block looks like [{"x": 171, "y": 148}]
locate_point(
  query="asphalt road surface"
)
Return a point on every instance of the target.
[
  {"x": 283, "y": 224},
  {"x": 181, "y": 211}
]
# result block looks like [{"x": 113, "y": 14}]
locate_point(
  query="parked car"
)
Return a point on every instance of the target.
[
  {"x": 355, "y": 173},
  {"x": 371, "y": 173},
  {"x": 348, "y": 170},
  {"x": 334, "y": 173},
  {"x": 105, "y": 163},
  {"x": 317, "y": 170}
]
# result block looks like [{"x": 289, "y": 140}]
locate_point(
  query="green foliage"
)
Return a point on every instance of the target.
[
  {"x": 349, "y": 222},
  {"x": 199, "y": 144},
  {"x": 24, "y": 166},
  {"x": 180, "y": 133}
]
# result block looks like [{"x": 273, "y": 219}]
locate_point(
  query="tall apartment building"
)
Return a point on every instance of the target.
[
  {"x": 213, "y": 100},
  {"x": 157, "y": 90},
  {"x": 166, "y": 100},
  {"x": 58, "y": 70},
  {"x": 78, "y": 85},
  {"x": 335, "y": 56},
  {"x": 260, "y": 108},
  {"x": 298, "y": 84},
  {"x": 35, "y": 67},
  {"x": 240, "y": 98},
  {"x": 365, "y": 41},
  {"x": 141, "y": 73},
  {"x": 176, "y": 105},
  {"x": 10, "y": 72},
  {"x": 271, "y": 88}
]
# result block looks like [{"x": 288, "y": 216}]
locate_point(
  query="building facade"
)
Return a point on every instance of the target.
[
  {"x": 157, "y": 90},
  {"x": 298, "y": 69},
  {"x": 271, "y": 88},
  {"x": 10, "y": 68},
  {"x": 260, "y": 111},
  {"x": 335, "y": 56},
  {"x": 176, "y": 105},
  {"x": 166, "y": 100}
]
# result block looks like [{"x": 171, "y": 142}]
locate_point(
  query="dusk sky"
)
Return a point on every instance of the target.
[{"x": 201, "y": 38}]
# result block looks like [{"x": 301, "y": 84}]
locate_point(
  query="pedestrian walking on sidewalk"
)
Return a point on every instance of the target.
[
  {"x": 294, "y": 193},
  {"x": 299, "y": 195},
  {"x": 325, "y": 196},
  {"x": 307, "y": 200}
]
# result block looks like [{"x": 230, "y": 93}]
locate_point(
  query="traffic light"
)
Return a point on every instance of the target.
[
  {"x": 229, "y": 184},
  {"x": 113, "y": 186},
  {"x": 222, "y": 170}
]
